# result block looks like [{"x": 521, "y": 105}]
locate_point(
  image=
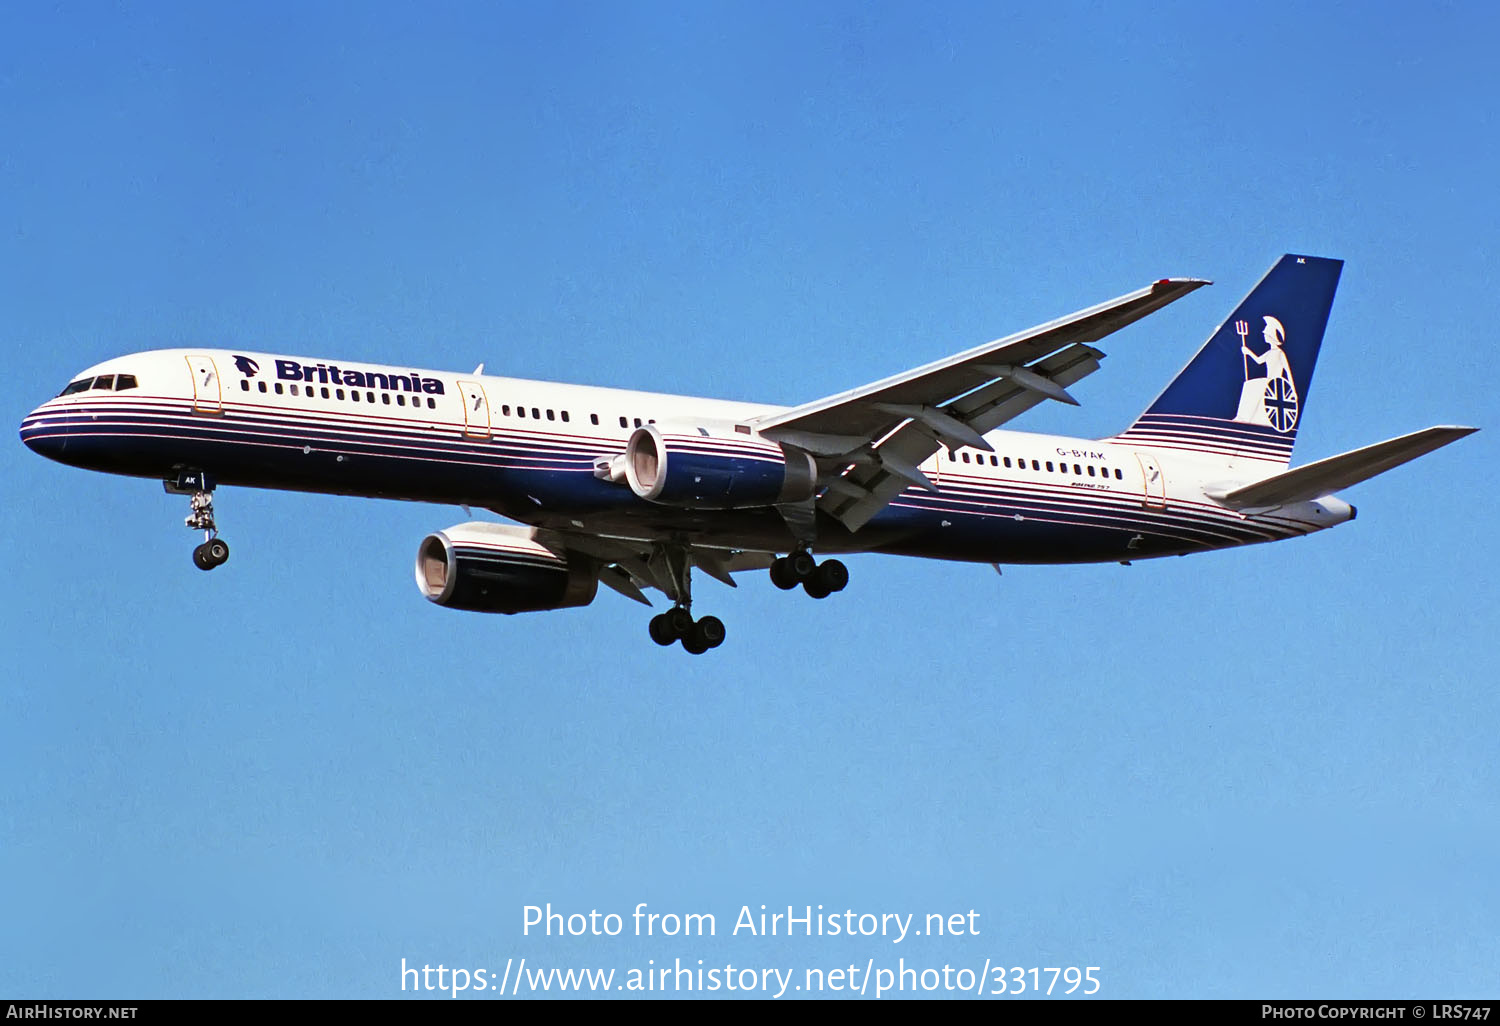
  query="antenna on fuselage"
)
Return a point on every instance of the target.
[{"x": 479, "y": 369}]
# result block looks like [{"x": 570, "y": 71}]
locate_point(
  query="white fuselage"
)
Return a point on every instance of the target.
[{"x": 530, "y": 451}]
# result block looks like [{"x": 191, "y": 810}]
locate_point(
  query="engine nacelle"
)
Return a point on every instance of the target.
[
  {"x": 708, "y": 468},
  {"x": 497, "y": 568}
]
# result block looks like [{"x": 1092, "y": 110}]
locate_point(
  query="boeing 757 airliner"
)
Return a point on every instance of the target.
[{"x": 635, "y": 490}]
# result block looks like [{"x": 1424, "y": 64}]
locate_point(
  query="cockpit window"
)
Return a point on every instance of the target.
[{"x": 104, "y": 382}]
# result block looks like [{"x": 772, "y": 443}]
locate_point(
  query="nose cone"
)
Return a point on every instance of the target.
[{"x": 39, "y": 438}]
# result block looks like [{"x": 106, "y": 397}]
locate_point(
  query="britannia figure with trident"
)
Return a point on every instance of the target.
[{"x": 1271, "y": 399}]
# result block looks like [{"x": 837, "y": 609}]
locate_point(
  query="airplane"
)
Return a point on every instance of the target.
[{"x": 636, "y": 490}]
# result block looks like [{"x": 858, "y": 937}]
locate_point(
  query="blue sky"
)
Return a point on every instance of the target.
[{"x": 1264, "y": 772}]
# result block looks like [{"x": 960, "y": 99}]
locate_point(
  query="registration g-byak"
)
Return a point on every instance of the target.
[{"x": 637, "y": 490}]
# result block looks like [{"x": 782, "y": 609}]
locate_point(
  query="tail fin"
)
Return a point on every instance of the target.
[{"x": 1244, "y": 394}]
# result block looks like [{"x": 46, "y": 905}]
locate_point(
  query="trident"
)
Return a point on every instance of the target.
[{"x": 1242, "y": 328}]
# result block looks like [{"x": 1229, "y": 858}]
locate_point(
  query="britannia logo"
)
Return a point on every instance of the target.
[
  {"x": 246, "y": 366},
  {"x": 1272, "y": 398}
]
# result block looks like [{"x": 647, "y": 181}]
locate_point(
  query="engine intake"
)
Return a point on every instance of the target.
[
  {"x": 698, "y": 467},
  {"x": 497, "y": 568}
]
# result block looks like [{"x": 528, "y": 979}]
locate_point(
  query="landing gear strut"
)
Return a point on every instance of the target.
[
  {"x": 817, "y": 579},
  {"x": 677, "y": 623},
  {"x": 199, "y": 488}
]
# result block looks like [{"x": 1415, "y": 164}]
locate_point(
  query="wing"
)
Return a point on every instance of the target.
[
  {"x": 871, "y": 441},
  {"x": 629, "y": 565}
]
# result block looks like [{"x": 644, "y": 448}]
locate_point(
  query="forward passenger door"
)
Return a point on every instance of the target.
[{"x": 208, "y": 396}]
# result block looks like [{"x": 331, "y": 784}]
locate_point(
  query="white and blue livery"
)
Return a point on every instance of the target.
[{"x": 636, "y": 490}]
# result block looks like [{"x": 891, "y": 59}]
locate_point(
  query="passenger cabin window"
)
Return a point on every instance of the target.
[{"x": 594, "y": 419}]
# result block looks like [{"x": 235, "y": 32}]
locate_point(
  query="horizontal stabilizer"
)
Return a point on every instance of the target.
[{"x": 1327, "y": 476}]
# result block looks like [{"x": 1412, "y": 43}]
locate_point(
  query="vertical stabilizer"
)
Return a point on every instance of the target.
[{"x": 1245, "y": 392}]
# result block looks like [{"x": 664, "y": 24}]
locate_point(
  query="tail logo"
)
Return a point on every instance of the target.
[
  {"x": 246, "y": 366},
  {"x": 1272, "y": 398}
]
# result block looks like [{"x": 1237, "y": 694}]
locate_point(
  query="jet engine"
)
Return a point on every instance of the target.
[
  {"x": 712, "y": 468},
  {"x": 497, "y": 568}
]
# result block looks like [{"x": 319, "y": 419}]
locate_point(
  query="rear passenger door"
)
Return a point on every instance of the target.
[{"x": 1153, "y": 482}]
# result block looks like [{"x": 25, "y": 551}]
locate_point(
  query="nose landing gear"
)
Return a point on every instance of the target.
[
  {"x": 199, "y": 488},
  {"x": 210, "y": 554}
]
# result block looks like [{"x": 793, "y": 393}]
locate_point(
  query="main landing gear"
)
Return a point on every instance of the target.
[
  {"x": 671, "y": 566},
  {"x": 677, "y": 624},
  {"x": 817, "y": 579},
  {"x": 199, "y": 488},
  {"x": 674, "y": 564}
]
